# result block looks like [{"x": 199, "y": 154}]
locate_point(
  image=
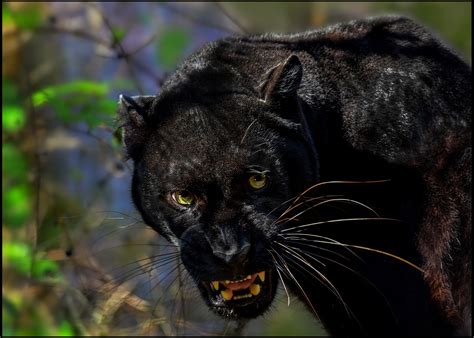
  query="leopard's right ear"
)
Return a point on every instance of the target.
[
  {"x": 282, "y": 81},
  {"x": 135, "y": 113}
]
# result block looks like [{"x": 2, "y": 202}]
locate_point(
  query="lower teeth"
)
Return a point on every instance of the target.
[
  {"x": 228, "y": 294},
  {"x": 255, "y": 289},
  {"x": 243, "y": 296}
]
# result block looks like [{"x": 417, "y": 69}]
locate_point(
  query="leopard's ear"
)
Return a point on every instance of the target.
[
  {"x": 135, "y": 113},
  {"x": 283, "y": 80}
]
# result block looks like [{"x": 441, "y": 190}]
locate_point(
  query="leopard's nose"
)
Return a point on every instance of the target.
[{"x": 233, "y": 254}]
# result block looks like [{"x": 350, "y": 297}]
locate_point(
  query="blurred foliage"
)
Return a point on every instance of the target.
[
  {"x": 27, "y": 265},
  {"x": 171, "y": 45},
  {"x": 118, "y": 34},
  {"x": 30, "y": 305},
  {"x": 40, "y": 294},
  {"x": 24, "y": 265},
  {"x": 79, "y": 100},
  {"x": 27, "y": 18},
  {"x": 450, "y": 22},
  {"x": 13, "y": 115},
  {"x": 16, "y": 193}
]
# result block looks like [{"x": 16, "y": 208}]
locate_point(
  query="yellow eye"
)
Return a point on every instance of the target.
[
  {"x": 257, "y": 181},
  {"x": 184, "y": 198}
]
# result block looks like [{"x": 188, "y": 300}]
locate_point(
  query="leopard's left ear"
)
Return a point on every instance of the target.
[
  {"x": 136, "y": 113},
  {"x": 283, "y": 80}
]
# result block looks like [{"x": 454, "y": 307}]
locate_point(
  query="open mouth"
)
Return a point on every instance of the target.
[{"x": 239, "y": 292}]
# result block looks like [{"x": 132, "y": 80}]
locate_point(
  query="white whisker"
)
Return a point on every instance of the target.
[{"x": 341, "y": 220}]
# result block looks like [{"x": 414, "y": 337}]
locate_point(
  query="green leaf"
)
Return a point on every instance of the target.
[
  {"x": 28, "y": 17},
  {"x": 101, "y": 111},
  {"x": 118, "y": 34},
  {"x": 171, "y": 45},
  {"x": 9, "y": 314},
  {"x": 75, "y": 87},
  {"x": 62, "y": 109},
  {"x": 18, "y": 255},
  {"x": 79, "y": 101},
  {"x": 16, "y": 204},
  {"x": 92, "y": 120},
  {"x": 6, "y": 14},
  {"x": 76, "y": 174},
  {"x": 44, "y": 268},
  {"x": 117, "y": 138},
  {"x": 107, "y": 107},
  {"x": 14, "y": 165},
  {"x": 65, "y": 329},
  {"x": 13, "y": 118},
  {"x": 7, "y": 323},
  {"x": 96, "y": 112},
  {"x": 9, "y": 92}
]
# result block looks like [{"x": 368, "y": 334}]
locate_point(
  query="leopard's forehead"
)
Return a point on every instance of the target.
[{"x": 201, "y": 145}]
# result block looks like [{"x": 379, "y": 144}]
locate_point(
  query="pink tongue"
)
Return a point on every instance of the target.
[{"x": 241, "y": 285}]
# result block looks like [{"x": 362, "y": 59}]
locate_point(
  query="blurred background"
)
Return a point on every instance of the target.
[{"x": 76, "y": 258}]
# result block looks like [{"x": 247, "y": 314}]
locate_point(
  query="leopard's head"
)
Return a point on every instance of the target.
[{"x": 215, "y": 165}]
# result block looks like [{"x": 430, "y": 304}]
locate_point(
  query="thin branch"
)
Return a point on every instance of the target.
[
  {"x": 145, "y": 44},
  {"x": 37, "y": 159},
  {"x": 62, "y": 30},
  {"x": 116, "y": 43},
  {"x": 230, "y": 17},
  {"x": 99, "y": 139},
  {"x": 123, "y": 54},
  {"x": 196, "y": 19}
]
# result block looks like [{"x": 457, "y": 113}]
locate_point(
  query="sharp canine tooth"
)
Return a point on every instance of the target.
[
  {"x": 227, "y": 294},
  {"x": 261, "y": 275},
  {"x": 255, "y": 289},
  {"x": 215, "y": 285}
]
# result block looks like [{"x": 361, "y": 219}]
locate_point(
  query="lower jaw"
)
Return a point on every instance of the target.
[
  {"x": 249, "y": 311},
  {"x": 239, "y": 300}
]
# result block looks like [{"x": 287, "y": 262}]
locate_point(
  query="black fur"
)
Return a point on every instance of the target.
[{"x": 372, "y": 99}]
